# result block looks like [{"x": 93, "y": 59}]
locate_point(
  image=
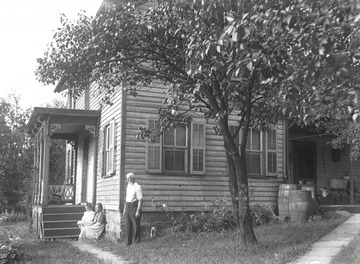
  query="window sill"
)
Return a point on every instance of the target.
[
  {"x": 108, "y": 175},
  {"x": 261, "y": 176},
  {"x": 172, "y": 174}
]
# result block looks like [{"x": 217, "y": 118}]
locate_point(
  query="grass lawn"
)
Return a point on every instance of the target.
[
  {"x": 279, "y": 242},
  {"x": 35, "y": 251},
  {"x": 349, "y": 254}
]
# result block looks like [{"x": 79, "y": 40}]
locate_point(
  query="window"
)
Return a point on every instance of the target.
[
  {"x": 108, "y": 152},
  {"x": 175, "y": 148},
  {"x": 261, "y": 151},
  {"x": 254, "y": 151},
  {"x": 171, "y": 152}
]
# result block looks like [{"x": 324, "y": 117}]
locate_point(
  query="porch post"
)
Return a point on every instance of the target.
[
  {"x": 46, "y": 161},
  {"x": 36, "y": 169},
  {"x": 41, "y": 162}
]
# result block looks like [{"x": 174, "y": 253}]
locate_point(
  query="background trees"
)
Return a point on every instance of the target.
[
  {"x": 256, "y": 62},
  {"x": 16, "y": 156}
]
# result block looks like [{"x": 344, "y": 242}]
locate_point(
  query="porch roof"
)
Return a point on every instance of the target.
[{"x": 68, "y": 121}]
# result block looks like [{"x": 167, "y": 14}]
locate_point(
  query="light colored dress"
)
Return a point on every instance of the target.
[
  {"x": 87, "y": 219},
  {"x": 95, "y": 230}
]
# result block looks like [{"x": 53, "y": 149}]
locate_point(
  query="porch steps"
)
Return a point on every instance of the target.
[{"x": 60, "y": 221}]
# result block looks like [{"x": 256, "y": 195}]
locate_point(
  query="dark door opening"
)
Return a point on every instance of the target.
[{"x": 304, "y": 154}]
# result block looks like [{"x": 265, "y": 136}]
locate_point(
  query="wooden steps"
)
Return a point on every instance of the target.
[{"x": 60, "y": 221}]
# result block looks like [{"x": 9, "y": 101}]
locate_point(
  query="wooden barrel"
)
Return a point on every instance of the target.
[
  {"x": 300, "y": 205},
  {"x": 309, "y": 187},
  {"x": 283, "y": 199}
]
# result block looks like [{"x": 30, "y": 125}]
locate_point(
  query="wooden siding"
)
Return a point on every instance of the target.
[
  {"x": 188, "y": 192},
  {"x": 80, "y": 102},
  {"x": 94, "y": 97},
  {"x": 108, "y": 187}
]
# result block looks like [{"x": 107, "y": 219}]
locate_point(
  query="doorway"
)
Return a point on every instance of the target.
[{"x": 304, "y": 154}]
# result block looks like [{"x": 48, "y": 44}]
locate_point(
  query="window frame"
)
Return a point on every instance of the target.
[
  {"x": 264, "y": 150},
  {"x": 176, "y": 148},
  {"x": 108, "y": 149},
  {"x": 155, "y": 151},
  {"x": 249, "y": 150}
]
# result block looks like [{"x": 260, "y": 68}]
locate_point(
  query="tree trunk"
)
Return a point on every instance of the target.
[
  {"x": 233, "y": 186},
  {"x": 239, "y": 189}
]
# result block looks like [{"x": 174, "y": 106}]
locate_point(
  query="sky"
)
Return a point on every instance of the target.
[{"x": 26, "y": 27}]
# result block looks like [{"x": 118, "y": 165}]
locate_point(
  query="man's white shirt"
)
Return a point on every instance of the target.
[{"x": 133, "y": 192}]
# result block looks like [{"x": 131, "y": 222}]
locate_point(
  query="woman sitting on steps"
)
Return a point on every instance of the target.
[
  {"x": 97, "y": 227},
  {"x": 88, "y": 216}
]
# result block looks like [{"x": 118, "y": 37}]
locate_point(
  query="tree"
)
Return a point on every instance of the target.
[
  {"x": 257, "y": 61},
  {"x": 16, "y": 156}
]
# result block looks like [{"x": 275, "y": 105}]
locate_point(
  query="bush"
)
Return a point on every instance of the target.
[
  {"x": 215, "y": 216},
  {"x": 9, "y": 247},
  {"x": 212, "y": 221},
  {"x": 9, "y": 253},
  {"x": 218, "y": 218},
  {"x": 261, "y": 214},
  {"x": 12, "y": 217}
]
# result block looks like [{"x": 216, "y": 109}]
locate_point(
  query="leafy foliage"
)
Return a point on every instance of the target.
[
  {"x": 215, "y": 216},
  {"x": 262, "y": 214},
  {"x": 218, "y": 218},
  {"x": 16, "y": 156},
  {"x": 57, "y": 161},
  {"x": 9, "y": 250},
  {"x": 12, "y": 217}
]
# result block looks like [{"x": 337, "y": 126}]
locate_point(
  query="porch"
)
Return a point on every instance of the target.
[
  {"x": 54, "y": 211},
  {"x": 313, "y": 160}
]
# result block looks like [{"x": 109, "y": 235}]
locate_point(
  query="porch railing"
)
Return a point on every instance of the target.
[{"x": 66, "y": 191}]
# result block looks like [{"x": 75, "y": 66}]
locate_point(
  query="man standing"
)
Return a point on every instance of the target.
[{"x": 132, "y": 210}]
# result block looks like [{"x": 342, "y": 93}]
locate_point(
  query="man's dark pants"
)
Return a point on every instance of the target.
[{"x": 132, "y": 224}]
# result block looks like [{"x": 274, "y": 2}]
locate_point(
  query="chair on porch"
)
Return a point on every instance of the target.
[{"x": 57, "y": 197}]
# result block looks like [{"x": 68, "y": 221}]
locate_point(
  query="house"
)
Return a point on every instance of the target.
[{"x": 185, "y": 168}]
